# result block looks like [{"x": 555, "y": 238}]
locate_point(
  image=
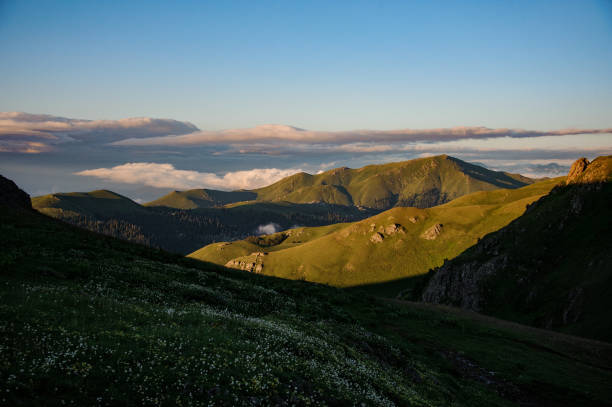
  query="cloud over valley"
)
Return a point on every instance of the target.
[{"x": 167, "y": 176}]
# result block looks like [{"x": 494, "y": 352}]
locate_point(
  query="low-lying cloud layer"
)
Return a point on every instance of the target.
[
  {"x": 166, "y": 176},
  {"x": 276, "y": 134},
  {"x": 38, "y": 133}
]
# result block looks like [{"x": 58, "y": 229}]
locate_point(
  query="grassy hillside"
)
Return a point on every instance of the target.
[
  {"x": 420, "y": 183},
  {"x": 397, "y": 243},
  {"x": 86, "y": 319},
  {"x": 201, "y": 198},
  {"x": 551, "y": 267},
  {"x": 184, "y": 231}
]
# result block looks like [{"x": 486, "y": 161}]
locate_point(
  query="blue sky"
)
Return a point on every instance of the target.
[{"x": 325, "y": 66}]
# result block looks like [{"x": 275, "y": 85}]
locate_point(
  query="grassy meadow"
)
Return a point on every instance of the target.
[{"x": 90, "y": 320}]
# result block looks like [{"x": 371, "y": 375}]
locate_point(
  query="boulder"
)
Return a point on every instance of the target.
[
  {"x": 433, "y": 232},
  {"x": 377, "y": 238},
  {"x": 393, "y": 229}
]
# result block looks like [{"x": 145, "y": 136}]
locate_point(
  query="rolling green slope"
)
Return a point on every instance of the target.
[
  {"x": 551, "y": 267},
  {"x": 394, "y": 244},
  {"x": 201, "y": 198},
  {"x": 420, "y": 183},
  {"x": 86, "y": 319}
]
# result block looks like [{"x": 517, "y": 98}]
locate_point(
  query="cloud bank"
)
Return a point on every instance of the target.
[
  {"x": 281, "y": 134},
  {"x": 166, "y": 176},
  {"x": 37, "y": 133}
]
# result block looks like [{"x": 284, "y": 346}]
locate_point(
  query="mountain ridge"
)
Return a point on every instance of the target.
[{"x": 421, "y": 182}]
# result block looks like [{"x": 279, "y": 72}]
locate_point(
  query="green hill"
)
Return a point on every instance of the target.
[
  {"x": 394, "y": 244},
  {"x": 551, "y": 267},
  {"x": 86, "y": 319},
  {"x": 201, "y": 198},
  {"x": 421, "y": 183}
]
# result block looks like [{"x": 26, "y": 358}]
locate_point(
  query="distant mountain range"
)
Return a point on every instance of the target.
[
  {"x": 184, "y": 221},
  {"x": 421, "y": 183}
]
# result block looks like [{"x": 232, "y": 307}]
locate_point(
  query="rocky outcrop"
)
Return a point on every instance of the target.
[
  {"x": 12, "y": 196},
  {"x": 377, "y": 238},
  {"x": 584, "y": 172},
  {"x": 252, "y": 263},
  {"x": 393, "y": 229},
  {"x": 433, "y": 232},
  {"x": 576, "y": 170}
]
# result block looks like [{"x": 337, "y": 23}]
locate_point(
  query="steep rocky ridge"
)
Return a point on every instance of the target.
[{"x": 551, "y": 267}]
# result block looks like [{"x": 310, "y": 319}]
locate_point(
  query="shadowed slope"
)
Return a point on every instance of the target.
[
  {"x": 181, "y": 230},
  {"x": 551, "y": 267},
  {"x": 88, "y": 320},
  {"x": 201, "y": 198}
]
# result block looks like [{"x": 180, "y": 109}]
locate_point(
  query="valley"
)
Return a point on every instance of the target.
[
  {"x": 394, "y": 244},
  {"x": 184, "y": 221},
  {"x": 79, "y": 308}
]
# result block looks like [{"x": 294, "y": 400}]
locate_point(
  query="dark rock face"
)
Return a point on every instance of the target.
[
  {"x": 549, "y": 268},
  {"x": 462, "y": 286},
  {"x": 12, "y": 196}
]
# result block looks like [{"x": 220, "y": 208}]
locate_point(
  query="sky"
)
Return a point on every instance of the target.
[{"x": 143, "y": 97}]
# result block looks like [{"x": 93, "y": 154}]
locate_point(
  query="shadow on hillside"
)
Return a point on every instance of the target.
[{"x": 410, "y": 287}]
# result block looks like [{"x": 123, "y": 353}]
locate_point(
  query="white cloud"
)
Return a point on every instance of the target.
[
  {"x": 267, "y": 229},
  {"x": 166, "y": 176}
]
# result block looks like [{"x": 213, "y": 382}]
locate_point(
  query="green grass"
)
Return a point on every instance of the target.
[
  {"x": 90, "y": 320},
  {"x": 344, "y": 255}
]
